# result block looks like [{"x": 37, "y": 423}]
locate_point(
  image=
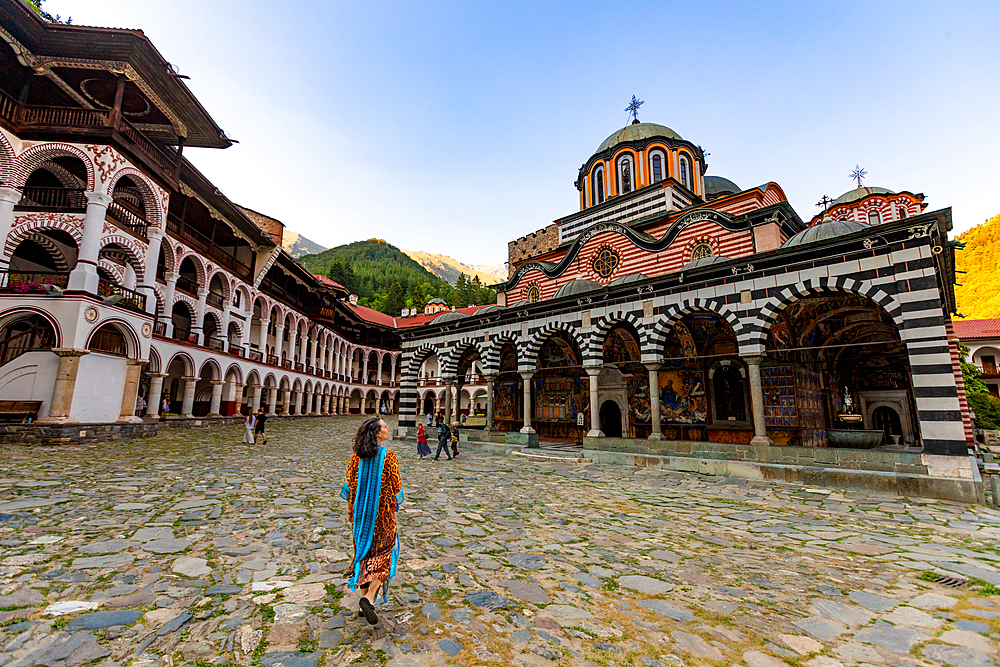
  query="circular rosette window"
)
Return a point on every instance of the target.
[{"x": 605, "y": 261}]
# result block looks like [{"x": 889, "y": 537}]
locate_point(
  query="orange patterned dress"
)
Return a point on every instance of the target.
[{"x": 379, "y": 563}]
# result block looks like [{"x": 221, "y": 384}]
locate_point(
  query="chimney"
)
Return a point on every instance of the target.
[{"x": 353, "y": 299}]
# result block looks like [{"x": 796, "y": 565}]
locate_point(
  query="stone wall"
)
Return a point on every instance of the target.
[
  {"x": 72, "y": 434},
  {"x": 532, "y": 245}
]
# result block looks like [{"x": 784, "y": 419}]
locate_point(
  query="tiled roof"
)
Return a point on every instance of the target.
[
  {"x": 968, "y": 329},
  {"x": 326, "y": 281},
  {"x": 377, "y": 317}
]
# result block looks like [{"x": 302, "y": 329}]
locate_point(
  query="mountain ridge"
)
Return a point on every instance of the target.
[{"x": 449, "y": 269}]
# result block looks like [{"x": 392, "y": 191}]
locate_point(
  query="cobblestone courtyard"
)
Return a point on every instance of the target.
[{"x": 192, "y": 548}]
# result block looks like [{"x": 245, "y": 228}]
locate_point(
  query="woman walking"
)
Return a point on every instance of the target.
[
  {"x": 248, "y": 426},
  {"x": 422, "y": 448},
  {"x": 373, "y": 491}
]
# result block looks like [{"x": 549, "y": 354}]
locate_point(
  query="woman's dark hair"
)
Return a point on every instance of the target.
[{"x": 366, "y": 439}]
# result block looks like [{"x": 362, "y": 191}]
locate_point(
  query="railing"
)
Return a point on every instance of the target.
[
  {"x": 166, "y": 162},
  {"x": 215, "y": 300},
  {"x": 203, "y": 243},
  {"x": 273, "y": 360},
  {"x": 216, "y": 344},
  {"x": 58, "y": 199},
  {"x": 329, "y": 374},
  {"x": 160, "y": 328},
  {"x": 129, "y": 298},
  {"x": 128, "y": 219},
  {"x": 237, "y": 350},
  {"x": 187, "y": 285},
  {"x": 35, "y": 338},
  {"x": 181, "y": 334},
  {"x": 285, "y": 363},
  {"x": 35, "y": 115},
  {"x": 31, "y": 282},
  {"x": 255, "y": 355},
  {"x": 310, "y": 370},
  {"x": 8, "y": 107},
  {"x": 298, "y": 367}
]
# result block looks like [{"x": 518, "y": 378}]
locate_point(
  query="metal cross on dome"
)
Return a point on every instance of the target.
[
  {"x": 824, "y": 203},
  {"x": 858, "y": 174},
  {"x": 633, "y": 108}
]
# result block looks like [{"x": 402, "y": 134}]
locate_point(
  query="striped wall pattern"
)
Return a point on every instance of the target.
[
  {"x": 901, "y": 277},
  {"x": 956, "y": 366},
  {"x": 593, "y": 353}
]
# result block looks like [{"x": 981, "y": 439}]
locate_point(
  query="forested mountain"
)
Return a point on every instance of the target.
[
  {"x": 979, "y": 295},
  {"x": 386, "y": 279}
]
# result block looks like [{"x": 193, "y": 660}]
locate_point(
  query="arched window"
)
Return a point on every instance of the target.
[
  {"x": 656, "y": 167},
  {"x": 625, "y": 175},
  {"x": 701, "y": 251},
  {"x": 873, "y": 217},
  {"x": 598, "y": 186},
  {"x": 533, "y": 295},
  {"x": 236, "y": 298},
  {"x": 109, "y": 340},
  {"x": 684, "y": 172},
  {"x": 902, "y": 213}
]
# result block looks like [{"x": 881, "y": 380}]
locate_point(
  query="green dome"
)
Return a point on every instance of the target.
[
  {"x": 717, "y": 185},
  {"x": 860, "y": 193},
  {"x": 637, "y": 132},
  {"x": 630, "y": 278},
  {"x": 822, "y": 231}
]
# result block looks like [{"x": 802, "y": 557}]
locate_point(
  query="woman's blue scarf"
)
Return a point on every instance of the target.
[{"x": 366, "y": 501}]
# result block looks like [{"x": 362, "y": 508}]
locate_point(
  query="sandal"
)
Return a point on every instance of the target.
[{"x": 368, "y": 610}]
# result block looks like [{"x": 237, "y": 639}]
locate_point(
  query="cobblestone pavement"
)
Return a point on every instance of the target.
[{"x": 190, "y": 548}]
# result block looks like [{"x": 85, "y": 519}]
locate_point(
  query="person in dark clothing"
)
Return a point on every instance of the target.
[
  {"x": 454, "y": 439},
  {"x": 258, "y": 430},
  {"x": 439, "y": 420},
  {"x": 444, "y": 434}
]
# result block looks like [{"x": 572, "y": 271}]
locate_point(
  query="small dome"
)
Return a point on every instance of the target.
[
  {"x": 450, "y": 316},
  {"x": 823, "y": 230},
  {"x": 436, "y": 300},
  {"x": 858, "y": 194},
  {"x": 577, "y": 287},
  {"x": 637, "y": 132},
  {"x": 717, "y": 185},
  {"x": 495, "y": 308},
  {"x": 630, "y": 278},
  {"x": 705, "y": 261}
]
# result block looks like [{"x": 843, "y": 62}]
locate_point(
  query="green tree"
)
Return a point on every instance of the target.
[
  {"x": 395, "y": 300},
  {"x": 37, "y": 6},
  {"x": 987, "y": 410},
  {"x": 417, "y": 298},
  {"x": 461, "y": 298},
  {"x": 970, "y": 374}
]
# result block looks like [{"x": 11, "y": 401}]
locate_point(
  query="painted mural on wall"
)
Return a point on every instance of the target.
[{"x": 682, "y": 397}]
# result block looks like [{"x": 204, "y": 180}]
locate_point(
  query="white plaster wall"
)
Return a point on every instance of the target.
[
  {"x": 30, "y": 377},
  {"x": 99, "y": 385}
]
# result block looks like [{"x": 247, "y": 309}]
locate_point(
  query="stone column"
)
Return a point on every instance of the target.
[
  {"x": 65, "y": 384},
  {"x": 527, "y": 377},
  {"x": 9, "y": 197},
  {"x": 490, "y": 379},
  {"x": 132, "y": 371},
  {"x": 216, "y": 402},
  {"x": 262, "y": 337},
  {"x": 325, "y": 409},
  {"x": 128, "y": 277},
  {"x": 272, "y": 400},
  {"x": 595, "y": 415},
  {"x": 378, "y": 371},
  {"x": 151, "y": 261},
  {"x": 286, "y": 402},
  {"x": 168, "y": 303},
  {"x": 319, "y": 358},
  {"x": 307, "y": 402},
  {"x": 364, "y": 371},
  {"x": 254, "y": 396},
  {"x": 757, "y": 401},
  {"x": 449, "y": 383},
  {"x": 197, "y": 327},
  {"x": 392, "y": 371},
  {"x": 155, "y": 396},
  {"x": 224, "y": 333},
  {"x": 298, "y": 402},
  {"x": 84, "y": 275},
  {"x": 290, "y": 350},
  {"x": 654, "y": 400},
  {"x": 245, "y": 332},
  {"x": 187, "y": 405},
  {"x": 279, "y": 343},
  {"x": 229, "y": 393}
]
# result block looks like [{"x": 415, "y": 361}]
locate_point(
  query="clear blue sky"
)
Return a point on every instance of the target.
[{"x": 454, "y": 127}]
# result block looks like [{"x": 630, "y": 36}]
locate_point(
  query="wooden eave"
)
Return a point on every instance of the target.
[{"x": 230, "y": 213}]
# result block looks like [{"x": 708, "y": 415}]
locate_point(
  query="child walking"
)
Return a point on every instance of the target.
[{"x": 248, "y": 426}]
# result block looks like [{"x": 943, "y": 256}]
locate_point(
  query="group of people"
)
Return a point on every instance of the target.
[
  {"x": 253, "y": 427},
  {"x": 446, "y": 436}
]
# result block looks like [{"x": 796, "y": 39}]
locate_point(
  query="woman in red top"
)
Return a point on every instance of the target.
[{"x": 422, "y": 448}]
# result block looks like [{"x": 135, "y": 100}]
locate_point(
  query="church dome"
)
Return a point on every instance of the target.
[
  {"x": 637, "y": 132},
  {"x": 495, "y": 308},
  {"x": 858, "y": 194},
  {"x": 717, "y": 185},
  {"x": 577, "y": 287},
  {"x": 450, "y": 316},
  {"x": 827, "y": 229},
  {"x": 630, "y": 278},
  {"x": 705, "y": 261}
]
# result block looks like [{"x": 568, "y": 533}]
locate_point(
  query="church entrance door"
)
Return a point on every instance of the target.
[{"x": 611, "y": 419}]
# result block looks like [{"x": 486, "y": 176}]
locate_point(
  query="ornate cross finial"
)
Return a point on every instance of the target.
[
  {"x": 858, "y": 174},
  {"x": 633, "y": 109},
  {"x": 824, "y": 202}
]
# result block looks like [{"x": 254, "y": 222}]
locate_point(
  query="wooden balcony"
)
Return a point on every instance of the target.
[
  {"x": 127, "y": 298},
  {"x": 203, "y": 244},
  {"x": 64, "y": 200}
]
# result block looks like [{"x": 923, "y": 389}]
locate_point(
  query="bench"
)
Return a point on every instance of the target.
[{"x": 19, "y": 410}]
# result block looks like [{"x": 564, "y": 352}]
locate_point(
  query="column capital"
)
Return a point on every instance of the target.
[
  {"x": 526, "y": 375},
  {"x": 157, "y": 375},
  {"x": 171, "y": 276},
  {"x": 492, "y": 377},
  {"x": 593, "y": 370},
  {"x": 10, "y": 195},
  {"x": 217, "y": 383},
  {"x": 449, "y": 379},
  {"x": 190, "y": 378},
  {"x": 69, "y": 352},
  {"x": 202, "y": 293},
  {"x": 137, "y": 362},
  {"x": 654, "y": 366},
  {"x": 154, "y": 233},
  {"x": 98, "y": 198},
  {"x": 753, "y": 359}
]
